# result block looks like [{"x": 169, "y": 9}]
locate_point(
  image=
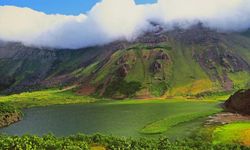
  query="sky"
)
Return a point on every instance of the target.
[
  {"x": 73, "y": 24},
  {"x": 66, "y": 7}
]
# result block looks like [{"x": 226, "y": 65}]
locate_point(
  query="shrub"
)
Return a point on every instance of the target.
[{"x": 84, "y": 142}]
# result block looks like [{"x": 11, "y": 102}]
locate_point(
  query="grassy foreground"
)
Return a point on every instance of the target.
[
  {"x": 235, "y": 132},
  {"x": 100, "y": 142}
]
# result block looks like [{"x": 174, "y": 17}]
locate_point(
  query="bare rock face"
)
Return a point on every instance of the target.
[
  {"x": 122, "y": 60},
  {"x": 123, "y": 70},
  {"x": 156, "y": 66},
  {"x": 231, "y": 61},
  {"x": 239, "y": 102},
  {"x": 216, "y": 57},
  {"x": 162, "y": 56}
]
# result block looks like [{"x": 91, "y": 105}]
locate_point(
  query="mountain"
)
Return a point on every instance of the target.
[{"x": 181, "y": 62}]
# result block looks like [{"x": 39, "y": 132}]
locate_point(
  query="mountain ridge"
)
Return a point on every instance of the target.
[{"x": 192, "y": 61}]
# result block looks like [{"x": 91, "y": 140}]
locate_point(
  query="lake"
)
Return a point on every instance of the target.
[{"x": 106, "y": 118}]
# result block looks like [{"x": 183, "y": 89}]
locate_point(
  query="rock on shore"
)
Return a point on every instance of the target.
[{"x": 239, "y": 102}]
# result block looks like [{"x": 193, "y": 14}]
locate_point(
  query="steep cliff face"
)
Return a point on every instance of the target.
[
  {"x": 194, "y": 61},
  {"x": 239, "y": 102}
]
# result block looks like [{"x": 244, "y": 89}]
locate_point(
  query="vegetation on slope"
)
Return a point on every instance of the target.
[
  {"x": 241, "y": 80},
  {"x": 45, "y": 98},
  {"x": 174, "y": 63},
  {"x": 6, "y": 108},
  {"x": 8, "y": 114},
  {"x": 181, "y": 70},
  {"x": 122, "y": 87}
]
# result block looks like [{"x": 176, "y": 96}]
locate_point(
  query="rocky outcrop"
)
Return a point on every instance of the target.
[
  {"x": 226, "y": 118},
  {"x": 239, "y": 102},
  {"x": 156, "y": 66},
  {"x": 9, "y": 118},
  {"x": 163, "y": 56},
  {"x": 217, "y": 62},
  {"x": 123, "y": 70},
  {"x": 197, "y": 34},
  {"x": 123, "y": 59}
]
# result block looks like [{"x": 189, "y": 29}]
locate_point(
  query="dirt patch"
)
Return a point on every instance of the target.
[
  {"x": 143, "y": 94},
  {"x": 226, "y": 82},
  {"x": 144, "y": 97},
  {"x": 226, "y": 118},
  {"x": 86, "y": 90}
]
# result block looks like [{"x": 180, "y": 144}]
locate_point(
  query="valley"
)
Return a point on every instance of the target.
[
  {"x": 54, "y": 110},
  {"x": 163, "y": 84},
  {"x": 131, "y": 119},
  {"x": 125, "y": 75}
]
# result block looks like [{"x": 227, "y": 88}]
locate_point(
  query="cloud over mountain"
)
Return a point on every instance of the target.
[{"x": 111, "y": 20}]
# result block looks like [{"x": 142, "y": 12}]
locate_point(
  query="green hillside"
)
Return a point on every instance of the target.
[
  {"x": 174, "y": 68},
  {"x": 193, "y": 62}
]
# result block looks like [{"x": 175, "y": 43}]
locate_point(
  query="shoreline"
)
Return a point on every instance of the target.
[{"x": 8, "y": 119}]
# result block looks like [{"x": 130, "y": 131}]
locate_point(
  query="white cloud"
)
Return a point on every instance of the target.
[
  {"x": 111, "y": 20},
  {"x": 24, "y": 24}
]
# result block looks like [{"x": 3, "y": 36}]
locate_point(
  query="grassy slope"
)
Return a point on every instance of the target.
[
  {"x": 45, "y": 98},
  {"x": 241, "y": 79},
  {"x": 138, "y": 68},
  {"x": 238, "y": 132},
  {"x": 108, "y": 68},
  {"x": 241, "y": 47},
  {"x": 7, "y": 109},
  {"x": 141, "y": 70},
  {"x": 188, "y": 78},
  {"x": 85, "y": 71},
  {"x": 11, "y": 68},
  {"x": 181, "y": 75}
]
